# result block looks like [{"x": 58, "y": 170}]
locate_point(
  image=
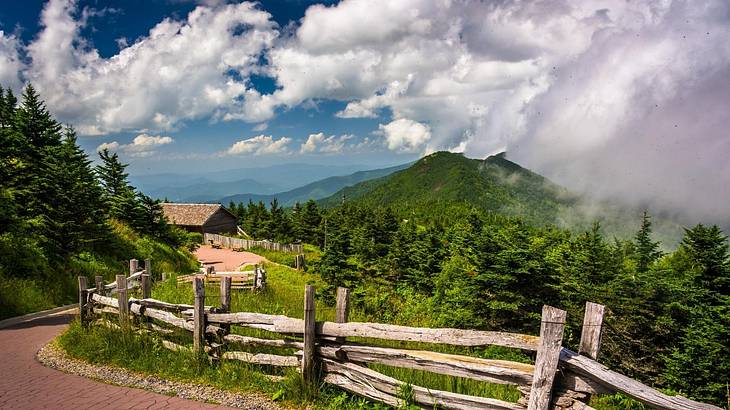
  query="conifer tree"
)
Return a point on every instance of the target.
[
  {"x": 73, "y": 211},
  {"x": 708, "y": 249},
  {"x": 36, "y": 124},
  {"x": 112, "y": 176},
  {"x": 647, "y": 251}
]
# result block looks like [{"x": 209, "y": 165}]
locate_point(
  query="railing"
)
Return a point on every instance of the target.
[
  {"x": 237, "y": 243},
  {"x": 252, "y": 279},
  {"x": 559, "y": 378}
]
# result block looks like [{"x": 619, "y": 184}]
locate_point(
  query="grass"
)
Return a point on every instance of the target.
[
  {"x": 284, "y": 295},
  {"x": 311, "y": 255},
  {"x": 20, "y": 296}
]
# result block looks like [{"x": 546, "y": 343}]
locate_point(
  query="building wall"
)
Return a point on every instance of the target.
[{"x": 220, "y": 222}]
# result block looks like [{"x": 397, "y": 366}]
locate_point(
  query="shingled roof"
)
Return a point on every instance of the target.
[{"x": 190, "y": 214}]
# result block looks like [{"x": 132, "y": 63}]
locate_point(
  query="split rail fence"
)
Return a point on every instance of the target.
[
  {"x": 252, "y": 279},
  {"x": 237, "y": 243},
  {"x": 559, "y": 378}
]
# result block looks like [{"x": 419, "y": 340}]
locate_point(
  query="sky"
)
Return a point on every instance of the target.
[{"x": 625, "y": 100}]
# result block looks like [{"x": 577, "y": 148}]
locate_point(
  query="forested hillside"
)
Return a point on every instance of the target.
[
  {"x": 455, "y": 264},
  {"x": 60, "y": 217},
  {"x": 445, "y": 181}
]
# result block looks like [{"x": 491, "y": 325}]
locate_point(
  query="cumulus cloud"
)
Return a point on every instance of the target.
[
  {"x": 111, "y": 146},
  {"x": 260, "y": 144},
  {"x": 321, "y": 143},
  {"x": 405, "y": 135},
  {"x": 141, "y": 146},
  {"x": 180, "y": 70},
  {"x": 10, "y": 61},
  {"x": 625, "y": 98}
]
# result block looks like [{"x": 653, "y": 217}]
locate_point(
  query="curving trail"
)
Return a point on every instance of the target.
[{"x": 27, "y": 384}]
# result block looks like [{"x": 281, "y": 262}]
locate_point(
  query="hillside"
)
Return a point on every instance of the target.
[
  {"x": 495, "y": 184},
  {"x": 315, "y": 190}
]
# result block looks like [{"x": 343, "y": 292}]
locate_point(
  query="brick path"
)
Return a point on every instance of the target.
[
  {"x": 26, "y": 384},
  {"x": 228, "y": 260}
]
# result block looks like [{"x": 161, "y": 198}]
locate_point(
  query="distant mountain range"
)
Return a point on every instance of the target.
[
  {"x": 212, "y": 186},
  {"x": 314, "y": 190},
  {"x": 441, "y": 180}
]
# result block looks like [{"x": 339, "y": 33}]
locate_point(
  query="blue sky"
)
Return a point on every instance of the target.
[
  {"x": 196, "y": 139},
  {"x": 622, "y": 100}
]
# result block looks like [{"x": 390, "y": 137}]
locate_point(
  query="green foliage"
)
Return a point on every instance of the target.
[
  {"x": 60, "y": 218},
  {"x": 647, "y": 252}
]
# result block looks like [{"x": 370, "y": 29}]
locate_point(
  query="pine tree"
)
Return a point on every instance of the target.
[
  {"x": 112, "y": 176},
  {"x": 708, "y": 249},
  {"x": 152, "y": 218},
  {"x": 36, "y": 124},
  {"x": 73, "y": 212},
  {"x": 647, "y": 251},
  {"x": 311, "y": 220}
]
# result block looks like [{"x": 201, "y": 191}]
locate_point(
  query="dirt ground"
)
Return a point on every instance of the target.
[{"x": 226, "y": 259}]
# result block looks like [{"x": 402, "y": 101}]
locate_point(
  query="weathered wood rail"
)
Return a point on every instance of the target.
[
  {"x": 559, "y": 378},
  {"x": 237, "y": 243},
  {"x": 253, "y": 279}
]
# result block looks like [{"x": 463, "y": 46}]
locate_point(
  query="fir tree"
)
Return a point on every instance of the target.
[
  {"x": 647, "y": 251},
  {"x": 112, "y": 176},
  {"x": 708, "y": 249},
  {"x": 73, "y": 212}
]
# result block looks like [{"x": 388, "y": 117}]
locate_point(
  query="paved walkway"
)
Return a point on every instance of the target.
[
  {"x": 26, "y": 384},
  {"x": 226, "y": 259}
]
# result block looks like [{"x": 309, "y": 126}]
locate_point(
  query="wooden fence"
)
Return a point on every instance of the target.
[
  {"x": 559, "y": 378},
  {"x": 252, "y": 279},
  {"x": 236, "y": 243}
]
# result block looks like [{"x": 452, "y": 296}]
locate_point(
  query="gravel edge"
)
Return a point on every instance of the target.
[{"x": 53, "y": 356}]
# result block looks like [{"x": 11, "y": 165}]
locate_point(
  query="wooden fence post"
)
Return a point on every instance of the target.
[
  {"x": 198, "y": 314},
  {"x": 100, "y": 290},
  {"x": 342, "y": 309},
  {"x": 310, "y": 330},
  {"x": 148, "y": 266},
  {"x": 164, "y": 276},
  {"x": 123, "y": 300},
  {"x": 590, "y": 337},
  {"x": 100, "y": 285},
  {"x": 146, "y": 282},
  {"x": 548, "y": 356},
  {"x": 226, "y": 294},
  {"x": 133, "y": 266},
  {"x": 83, "y": 299}
]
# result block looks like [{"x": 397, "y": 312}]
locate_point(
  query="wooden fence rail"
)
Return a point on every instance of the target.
[
  {"x": 559, "y": 379},
  {"x": 237, "y": 243},
  {"x": 253, "y": 279}
]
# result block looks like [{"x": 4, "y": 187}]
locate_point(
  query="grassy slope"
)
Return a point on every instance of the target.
[
  {"x": 19, "y": 296},
  {"x": 446, "y": 180}
]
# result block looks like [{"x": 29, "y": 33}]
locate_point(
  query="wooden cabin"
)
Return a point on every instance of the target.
[{"x": 203, "y": 218}]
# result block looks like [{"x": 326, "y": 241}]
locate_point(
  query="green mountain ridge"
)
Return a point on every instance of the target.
[
  {"x": 496, "y": 185},
  {"x": 315, "y": 190}
]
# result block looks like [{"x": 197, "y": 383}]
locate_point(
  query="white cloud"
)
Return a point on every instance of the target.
[
  {"x": 260, "y": 144},
  {"x": 111, "y": 146},
  {"x": 141, "y": 146},
  {"x": 178, "y": 71},
  {"x": 10, "y": 62},
  {"x": 261, "y": 127},
  {"x": 547, "y": 81},
  {"x": 321, "y": 143},
  {"x": 405, "y": 135}
]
